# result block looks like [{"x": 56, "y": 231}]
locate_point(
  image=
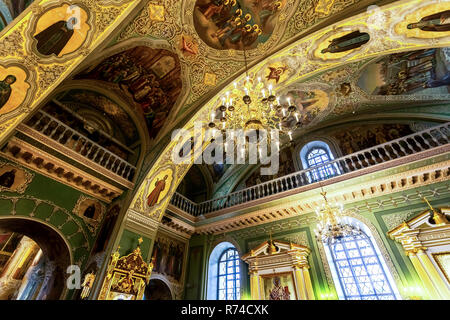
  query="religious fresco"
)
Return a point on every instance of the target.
[
  {"x": 168, "y": 257},
  {"x": 90, "y": 210},
  {"x": 216, "y": 22},
  {"x": 106, "y": 229},
  {"x": 159, "y": 187},
  {"x": 61, "y": 31},
  {"x": 13, "y": 88},
  {"x": 152, "y": 77},
  {"x": 310, "y": 103},
  {"x": 427, "y": 22},
  {"x": 13, "y": 178},
  {"x": 340, "y": 44},
  {"x": 363, "y": 137},
  {"x": 424, "y": 71},
  {"x": 79, "y": 99}
]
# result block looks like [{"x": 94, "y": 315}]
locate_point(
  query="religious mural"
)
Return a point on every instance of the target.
[
  {"x": 78, "y": 100},
  {"x": 340, "y": 44},
  {"x": 13, "y": 88},
  {"x": 230, "y": 24},
  {"x": 150, "y": 76},
  {"x": 409, "y": 72},
  {"x": 90, "y": 210},
  {"x": 363, "y": 137},
  {"x": 13, "y": 178},
  {"x": 168, "y": 257},
  {"x": 279, "y": 287},
  {"x": 159, "y": 187},
  {"x": 309, "y": 104},
  {"x": 61, "y": 31}
]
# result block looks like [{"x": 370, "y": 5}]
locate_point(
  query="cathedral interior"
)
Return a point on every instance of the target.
[{"x": 113, "y": 184}]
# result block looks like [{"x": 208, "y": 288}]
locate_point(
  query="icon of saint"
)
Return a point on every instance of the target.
[
  {"x": 153, "y": 197},
  {"x": 90, "y": 212},
  {"x": 7, "y": 179},
  {"x": 438, "y": 22},
  {"x": 278, "y": 292},
  {"x": 348, "y": 42},
  {"x": 53, "y": 39},
  {"x": 5, "y": 89}
]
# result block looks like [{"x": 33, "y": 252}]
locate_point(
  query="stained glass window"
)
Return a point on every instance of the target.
[
  {"x": 229, "y": 281},
  {"x": 318, "y": 157},
  {"x": 359, "y": 269}
]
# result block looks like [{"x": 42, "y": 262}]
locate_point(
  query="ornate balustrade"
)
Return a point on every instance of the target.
[
  {"x": 66, "y": 136},
  {"x": 420, "y": 141}
]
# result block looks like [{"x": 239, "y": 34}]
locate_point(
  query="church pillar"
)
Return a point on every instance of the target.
[
  {"x": 255, "y": 285},
  {"x": 434, "y": 275},
  {"x": 423, "y": 275},
  {"x": 308, "y": 284},
  {"x": 300, "y": 283},
  {"x": 16, "y": 267}
]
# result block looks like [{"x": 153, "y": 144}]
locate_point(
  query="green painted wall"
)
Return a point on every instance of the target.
[{"x": 251, "y": 237}]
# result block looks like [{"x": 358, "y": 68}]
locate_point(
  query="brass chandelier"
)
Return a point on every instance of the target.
[
  {"x": 252, "y": 105},
  {"x": 333, "y": 225}
]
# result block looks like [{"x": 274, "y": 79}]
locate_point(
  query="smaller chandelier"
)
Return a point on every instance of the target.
[{"x": 333, "y": 225}]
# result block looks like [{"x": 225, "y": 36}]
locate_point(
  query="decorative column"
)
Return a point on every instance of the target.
[
  {"x": 16, "y": 268},
  {"x": 423, "y": 275},
  {"x": 434, "y": 275},
  {"x": 308, "y": 284},
  {"x": 255, "y": 285},
  {"x": 300, "y": 280}
]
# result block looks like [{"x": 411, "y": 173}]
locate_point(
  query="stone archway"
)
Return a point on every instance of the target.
[
  {"x": 157, "y": 290},
  {"x": 56, "y": 255}
]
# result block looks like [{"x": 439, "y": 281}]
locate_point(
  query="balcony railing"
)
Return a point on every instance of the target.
[
  {"x": 402, "y": 147},
  {"x": 54, "y": 129}
]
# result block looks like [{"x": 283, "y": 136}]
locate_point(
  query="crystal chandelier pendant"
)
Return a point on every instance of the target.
[{"x": 333, "y": 225}]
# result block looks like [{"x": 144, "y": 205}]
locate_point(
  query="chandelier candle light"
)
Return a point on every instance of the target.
[
  {"x": 252, "y": 105},
  {"x": 333, "y": 225}
]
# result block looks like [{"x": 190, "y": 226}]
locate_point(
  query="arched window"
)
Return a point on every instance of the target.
[
  {"x": 358, "y": 269},
  {"x": 228, "y": 287},
  {"x": 316, "y": 154},
  {"x": 224, "y": 279}
]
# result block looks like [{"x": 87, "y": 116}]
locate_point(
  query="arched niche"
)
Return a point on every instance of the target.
[
  {"x": 157, "y": 289},
  {"x": 55, "y": 248}
]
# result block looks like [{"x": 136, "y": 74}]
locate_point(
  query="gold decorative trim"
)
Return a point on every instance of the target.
[
  {"x": 24, "y": 185},
  {"x": 444, "y": 272}
]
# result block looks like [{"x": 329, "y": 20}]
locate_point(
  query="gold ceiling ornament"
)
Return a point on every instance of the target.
[
  {"x": 333, "y": 225},
  {"x": 438, "y": 217},
  {"x": 272, "y": 248}
]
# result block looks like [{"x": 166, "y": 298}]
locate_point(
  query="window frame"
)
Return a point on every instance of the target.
[
  {"x": 320, "y": 171},
  {"x": 235, "y": 274},
  {"x": 343, "y": 294}
]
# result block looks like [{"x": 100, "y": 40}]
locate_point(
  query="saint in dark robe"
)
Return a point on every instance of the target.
[
  {"x": 348, "y": 42},
  {"x": 7, "y": 179},
  {"x": 90, "y": 212},
  {"x": 153, "y": 197},
  {"x": 438, "y": 22},
  {"x": 53, "y": 39},
  {"x": 5, "y": 89}
]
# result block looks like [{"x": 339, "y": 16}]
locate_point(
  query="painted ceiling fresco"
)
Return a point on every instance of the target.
[
  {"x": 216, "y": 22},
  {"x": 424, "y": 71},
  {"x": 122, "y": 126},
  {"x": 150, "y": 76}
]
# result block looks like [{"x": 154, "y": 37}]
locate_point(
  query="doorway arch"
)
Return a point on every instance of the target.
[{"x": 56, "y": 253}]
